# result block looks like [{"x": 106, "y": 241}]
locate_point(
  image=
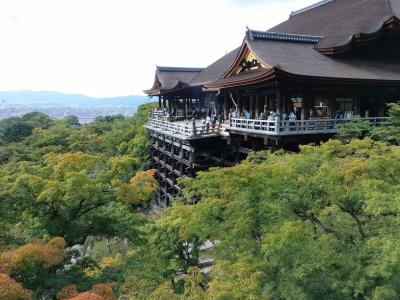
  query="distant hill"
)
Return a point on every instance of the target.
[{"x": 48, "y": 98}]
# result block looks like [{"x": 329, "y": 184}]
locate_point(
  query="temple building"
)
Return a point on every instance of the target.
[{"x": 290, "y": 85}]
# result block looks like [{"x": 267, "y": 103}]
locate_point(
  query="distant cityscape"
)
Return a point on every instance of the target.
[
  {"x": 58, "y": 105},
  {"x": 85, "y": 114}
]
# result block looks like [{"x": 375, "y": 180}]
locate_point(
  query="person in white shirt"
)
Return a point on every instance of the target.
[{"x": 208, "y": 120}]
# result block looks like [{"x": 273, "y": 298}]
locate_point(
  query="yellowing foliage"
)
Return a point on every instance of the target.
[
  {"x": 67, "y": 292},
  {"x": 105, "y": 290},
  {"x": 69, "y": 162},
  {"x": 235, "y": 281},
  {"x": 140, "y": 189},
  {"x": 110, "y": 261},
  {"x": 49, "y": 254},
  {"x": 12, "y": 290},
  {"x": 88, "y": 296}
]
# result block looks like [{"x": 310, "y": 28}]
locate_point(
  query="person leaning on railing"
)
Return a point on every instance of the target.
[
  {"x": 339, "y": 115},
  {"x": 292, "y": 119}
]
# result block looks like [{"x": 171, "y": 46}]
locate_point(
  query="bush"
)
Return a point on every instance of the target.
[{"x": 354, "y": 129}]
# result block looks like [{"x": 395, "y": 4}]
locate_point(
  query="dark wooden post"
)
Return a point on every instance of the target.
[
  {"x": 185, "y": 108},
  {"x": 278, "y": 102},
  {"x": 239, "y": 104},
  {"x": 251, "y": 106},
  {"x": 381, "y": 103},
  {"x": 257, "y": 96},
  {"x": 307, "y": 103},
  {"x": 226, "y": 112},
  {"x": 357, "y": 102},
  {"x": 331, "y": 103},
  {"x": 170, "y": 106}
]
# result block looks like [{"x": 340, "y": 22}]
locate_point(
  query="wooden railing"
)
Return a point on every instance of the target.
[
  {"x": 294, "y": 127},
  {"x": 190, "y": 129}
]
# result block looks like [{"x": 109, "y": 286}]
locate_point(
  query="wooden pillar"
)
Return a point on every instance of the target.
[
  {"x": 170, "y": 106},
  {"x": 357, "y": 102},
  {"x": 185, "y": 108},
  {"x": 164, "y": 101},
  {"x": 283, "y": 103},
  {"x": 332, "y": 103},
  {"x": 159, "y": 101},
  {"x": 278, "y": 102},
  {"x": 251, "y": 106},
  {"x": 226, "y": 112},
  {"x": 239, "y": 103},
  {"x": 257, "y": 96},
  {"x": 307, "y": 103},
  {"x": 382, "y": 103},
  {"x": 173, "y": 163}
]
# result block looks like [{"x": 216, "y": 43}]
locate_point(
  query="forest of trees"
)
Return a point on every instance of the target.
[{"x": 323, "y": 223}]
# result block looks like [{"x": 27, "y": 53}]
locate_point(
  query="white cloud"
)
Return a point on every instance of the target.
[{"x": 111, "y": 47}]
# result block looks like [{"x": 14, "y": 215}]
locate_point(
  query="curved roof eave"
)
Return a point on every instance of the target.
[{"x": 392, "y": 22}]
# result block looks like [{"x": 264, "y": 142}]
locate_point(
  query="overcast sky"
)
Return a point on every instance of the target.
[{"x": 110, "y": 47}]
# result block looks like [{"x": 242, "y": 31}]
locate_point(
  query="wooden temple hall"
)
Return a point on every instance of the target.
[{"x": 289, "y": 85}]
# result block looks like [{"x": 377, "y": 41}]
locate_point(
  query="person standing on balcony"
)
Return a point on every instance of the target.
[
  {"x": 292, "y": 118},
  {"x": 214, "y": 119},
  {"x": 272, "y": 116},
  {"x": 208, "y": 120}
]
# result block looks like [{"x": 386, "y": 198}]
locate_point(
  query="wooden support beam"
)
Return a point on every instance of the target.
[
  {"x": 257, "y": 98},
  {"x": 226, "y": 110}
]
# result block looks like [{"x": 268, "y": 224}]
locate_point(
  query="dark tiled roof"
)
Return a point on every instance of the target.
[
  {"x": 301, "y": 59},
  {"x": 178, "y": 69},
  {"x": 172, "y": 78},
  {"x": 339, "y": 21},
  {"x": 315, "y": 5},
  {"x": 240, "y": 79},
  {"x": 215, "y": 70}
]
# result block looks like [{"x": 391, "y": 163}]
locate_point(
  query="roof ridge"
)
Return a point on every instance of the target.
[
  {"x": 282, "y": 36},
  {"x": 312, "y": 6},
  {"x": 178, "y": 69}
]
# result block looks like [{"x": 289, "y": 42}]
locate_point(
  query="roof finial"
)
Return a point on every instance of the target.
[{"x": 249, "y": 33}]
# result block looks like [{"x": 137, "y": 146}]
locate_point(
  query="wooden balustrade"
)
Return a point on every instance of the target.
[
  {"x": 190, "y": 129},
  {"x": 294, "y": 127},
  {"x": 267, "y": 127}
]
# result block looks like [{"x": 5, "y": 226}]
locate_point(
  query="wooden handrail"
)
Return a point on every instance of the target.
[
  {"x": 178, "y": 128},
  {"x": 293, "y": 127}
]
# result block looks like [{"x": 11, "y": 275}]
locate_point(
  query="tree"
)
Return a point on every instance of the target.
[
  {"x": 38, "y": 120},
  {"x": 12, "y": 290},
  {"x": 71, "y": 121},
  {"x": 14, "y": 130},
  {"x": 140, "y": 190},
  {"x": 357, "y": 128},
  {"x": 310, "y": 225},
  {"x": 390, "y": 131},
  {"x": 58, "y": 181},
  {"x": 67, "y": 292},
  {"x": 30, "y": 263},
  {"x": 235, "y": 281}
]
